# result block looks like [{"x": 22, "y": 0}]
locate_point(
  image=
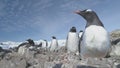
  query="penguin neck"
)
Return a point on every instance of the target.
[{"x": 96, "y": 22}]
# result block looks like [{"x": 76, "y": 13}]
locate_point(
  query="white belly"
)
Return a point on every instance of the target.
[
  {"x": 22, "y": 50},
  {"x": 80, "y": 34},
  {"x": 72, "y": 42},
  {"x": 54, "y": 45},
  {"x": 95, "y": 42},
  {"x": 44, "y": 44}
]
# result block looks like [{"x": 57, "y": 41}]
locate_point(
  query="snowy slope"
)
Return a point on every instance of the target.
[{"x": 11, "y": 44}]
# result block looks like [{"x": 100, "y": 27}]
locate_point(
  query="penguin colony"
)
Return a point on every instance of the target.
[{"x": 92, "y": 42}]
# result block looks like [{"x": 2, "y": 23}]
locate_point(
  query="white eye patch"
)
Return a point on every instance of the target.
[{"x": 88, "y": 10}]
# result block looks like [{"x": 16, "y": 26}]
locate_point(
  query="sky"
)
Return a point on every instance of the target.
[{"x": 41, "y": 19}]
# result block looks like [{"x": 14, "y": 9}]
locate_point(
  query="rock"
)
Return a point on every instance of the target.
[
  {"x": 1, "y": 49},
  {"x": 115, "y": 50},
  {"x": 83, "y": 66},
  {"x": 29, "y": 54},
  {"x": 70, "y": 65},
  {"x": 3, "y": 52},
  {"x": 35, "y": 63},
  {"x": 59, "y": 65},
  {"x": 49, "y": 65},
  {"x": 62, "y": 49},
  {"x": 14, "y": 62},
  {"x": 116, "y": 65},
  {"x": 14, "y": 49},
  {"x": 115, "y": 41},
  {"x": 115, "y": 36},
  {"x": 118, "y": 43}
]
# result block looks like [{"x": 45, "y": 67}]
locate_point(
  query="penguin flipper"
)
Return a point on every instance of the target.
[
  {"x": 80, "y": 40},
  {"x": 66, "y": 43}
]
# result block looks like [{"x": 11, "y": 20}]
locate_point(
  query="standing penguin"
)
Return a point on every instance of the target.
[
  {"x": 54, "y": 44},
  {"x": 46, "y": 43},
  {"x": 72, "y": 41},
  {"x": 80, "y": 33},
  {"x": 95, "y": 41},
  {"x": 31, "y": 42}
]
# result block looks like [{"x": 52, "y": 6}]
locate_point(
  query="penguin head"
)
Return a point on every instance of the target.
[
  {"x": 73, "y": 29},
  {"x": 53, "y": 37},
  {"x": 88, "y": 14},
  {"x": 29, "y": 40},
  {"x": 81, "y": 31},
  {"x": 45, "y": 40}
]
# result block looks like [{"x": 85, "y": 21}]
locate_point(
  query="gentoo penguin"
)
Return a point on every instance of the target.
[
  {"x": 80, "y": 33},
  {"x": 38, "y": 46},
  {"x": 72, "y": 41},
  {"x": 95, "y": 41},
  {"x": 54, "y": 44},
  {"x": 24, "y": 46},
  {"x": 22, "y": 50},
  {"x": 45, "y": 44},
  {"x": 27, "y": 43},
  {"x": 31, "y": 42}
]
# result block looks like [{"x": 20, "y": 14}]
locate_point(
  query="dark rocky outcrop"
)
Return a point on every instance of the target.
[
  {"x": 115, "y": 40},
  {"x": 115, "y": 36}
]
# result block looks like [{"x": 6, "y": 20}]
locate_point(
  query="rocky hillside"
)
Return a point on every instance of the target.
[{"x": 38, "y": 57}]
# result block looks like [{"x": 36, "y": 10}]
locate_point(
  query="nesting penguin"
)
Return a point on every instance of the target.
[
  {"x": 54, "y": 44},
  {"x": 72, "y": 41},
  {"x": 95, "y": 40},
  {"x": 22, "y": 48},
  {"x": 25, "y": 46},
  {"x": 31, "y": 42}
]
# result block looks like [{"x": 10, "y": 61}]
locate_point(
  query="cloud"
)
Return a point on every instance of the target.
[
  {"x": 49, "y": 17},
  {"x": 81, "y": 4},
  {"x": 30, "y": 14},
  {"x": 2, "y": 6},
  {"x": 19, "y": 14}
]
